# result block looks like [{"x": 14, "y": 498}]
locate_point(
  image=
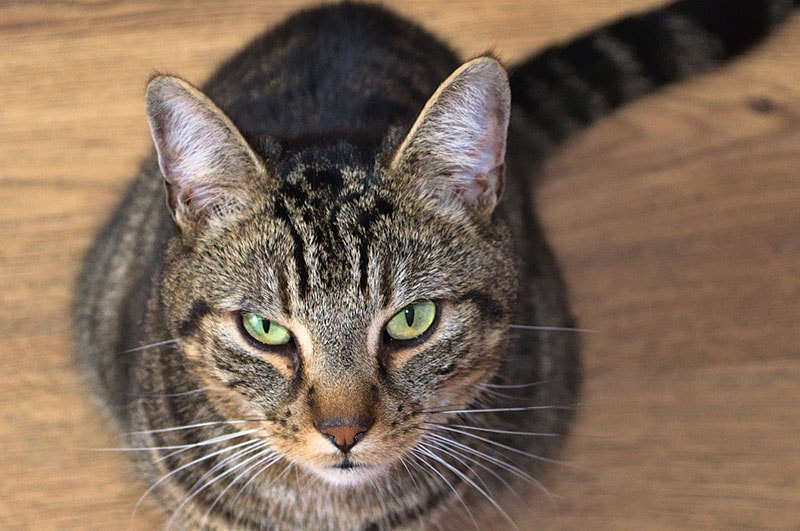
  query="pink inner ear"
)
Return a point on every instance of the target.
[
  {"x": 482, "y": 182},
  {"x": 481, "y": 190},
  {"x": 206, "y": 163},
  {"x": 457, "y": 145}
]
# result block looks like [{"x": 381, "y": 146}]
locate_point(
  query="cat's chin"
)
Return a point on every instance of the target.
[{"x": 348, "y": 474}]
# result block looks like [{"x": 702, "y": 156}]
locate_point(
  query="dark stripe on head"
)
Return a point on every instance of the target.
[
  {"x": 282, "y": 213},
  {"x": 295, "y": 192},
  {"x": 329, "y": 179},
  {"x": 381, "y": 208},
  {"x": 199, "y": 310},
  {"x": 386, "y": 282},
  {"x": 363, "y": 263}
]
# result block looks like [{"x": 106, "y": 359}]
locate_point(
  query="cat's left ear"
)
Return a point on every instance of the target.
[
  {"x": 209, "y": 169},
  {"x": 456, "y": 148}
]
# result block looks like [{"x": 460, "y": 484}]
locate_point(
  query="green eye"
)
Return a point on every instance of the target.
[
  {"x": 265, "y": 331},
  {"x": 412, "y": 321}
]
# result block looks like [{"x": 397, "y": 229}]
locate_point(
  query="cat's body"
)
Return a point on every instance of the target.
[{"x": 319, "y": 198}]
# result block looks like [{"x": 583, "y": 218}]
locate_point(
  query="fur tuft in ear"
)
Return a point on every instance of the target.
[
  {"x": 208, "y": 166},
  {"x": 456, "y": 149}
]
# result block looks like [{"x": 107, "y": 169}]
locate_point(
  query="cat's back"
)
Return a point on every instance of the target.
[{"x": 343, "y": 69}]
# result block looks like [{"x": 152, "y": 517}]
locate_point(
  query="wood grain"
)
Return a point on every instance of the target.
[{"x": 677, "y": 221}]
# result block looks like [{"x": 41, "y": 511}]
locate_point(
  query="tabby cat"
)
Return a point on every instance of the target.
[{"x": 345, "y": 315}]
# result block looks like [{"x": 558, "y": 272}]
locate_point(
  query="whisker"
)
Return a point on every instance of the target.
[
  {"x": 410, "y": 474},
  {"x": 441, "y": 443},
  {"x": 421, "y": 453},
  {"x": 502, "y": 432},
  {"x": 505, "y": 465},
  {"x": 265, "y": 454},
  {"x": 178, "y": 452},
  {"x": 502, "y": 463},
  {"x": 171, "y": 395},
  {"x": 222, "y": 464},
  {"x": 497, "y": 409},
  {"x": 504, "y": 396},
  {"x": 554, "y": 329},
  {"x": 516, "y": 386},
  {"x": 455, "y": 456},
  {"x": 208, "y": 484},
  {"x": 475, "y": 486},
  {"x": 269, "y": 460},
  {"x": 151, "y": 345},
  {"x": 503, "y": 446},
  {"x": 179, "y": 446},
  {"x": 191, "y": 426},
  {"x": 185, "y": 466}
]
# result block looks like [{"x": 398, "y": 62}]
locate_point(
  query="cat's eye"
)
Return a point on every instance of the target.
[
  {"x": 412, "y": 321},
  {"x": 265, "y": 331}
]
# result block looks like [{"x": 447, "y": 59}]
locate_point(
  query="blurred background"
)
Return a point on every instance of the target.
[{"x": 677, "y": 221}]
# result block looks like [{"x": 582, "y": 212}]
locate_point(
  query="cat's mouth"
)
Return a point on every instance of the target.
[
  {"x": 349, "y": 473},
  {"x": 347, "y": 464}
]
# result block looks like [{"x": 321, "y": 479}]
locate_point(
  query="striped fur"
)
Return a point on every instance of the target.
[{"x": 315, "y": 180}]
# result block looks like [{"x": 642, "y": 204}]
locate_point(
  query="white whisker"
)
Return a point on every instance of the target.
[
  {"x": 442, "y": 444},
  {"x": 151, "y": 345},
  {"x": 224, "y": 463},
  {"x": 171, "y": 395},
  {"x": 502, "y": 463},
  {"x": 516, "y": 386},
  {"x": 410, "y": 474},
  {"x": 190, "y": 426},
  {"x": 266, "y": 454},
  {"x": 269, "y": 460},
  {"x": 497, "y": 409},
  {"x": 504, "y": 432},
  {"x": 185, "y": 466},
  {"x": 509, "y": 467},
  {"x": 182, "y": 450},
  {"x": 208, "y": 484},
  {"x": 475, "y": 486},
  {"x": 504, "y": 396},
  {"x": 425, "y": 452},
  {"x": 503, "y": 446},
  {"x": 179, "y": 446}
]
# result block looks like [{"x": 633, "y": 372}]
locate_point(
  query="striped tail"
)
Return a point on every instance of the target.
[{"x": 565, "y": 88}]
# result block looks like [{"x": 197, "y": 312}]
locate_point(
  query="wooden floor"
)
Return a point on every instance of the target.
[{"x": 677, "y": 221}]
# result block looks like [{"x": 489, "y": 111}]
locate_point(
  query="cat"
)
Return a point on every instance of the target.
[{"x": 326, "y": 302}]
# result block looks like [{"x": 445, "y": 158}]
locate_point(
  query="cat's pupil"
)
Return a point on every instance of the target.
[{"x": 409, "y": 312}]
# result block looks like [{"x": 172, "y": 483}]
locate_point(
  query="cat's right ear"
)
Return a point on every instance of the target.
[
  {"x": 208, "y": 166},
  {"x": 456, "y": 149}
]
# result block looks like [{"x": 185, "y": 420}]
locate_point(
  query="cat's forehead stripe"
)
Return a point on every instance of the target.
[
  {"x": 330, "y": 211},
  {"x": 282, "y": 213}
]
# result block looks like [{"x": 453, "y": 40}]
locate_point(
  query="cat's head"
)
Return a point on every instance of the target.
[{"x": 342, "y": 301}]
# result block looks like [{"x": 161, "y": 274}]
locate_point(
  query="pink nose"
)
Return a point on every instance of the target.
[{"x": 345, "y": 433}]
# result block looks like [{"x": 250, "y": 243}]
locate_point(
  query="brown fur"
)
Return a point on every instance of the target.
[{"x": 326, "y": 192}]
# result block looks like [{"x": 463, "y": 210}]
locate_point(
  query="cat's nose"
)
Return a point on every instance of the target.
[{"x": 345, "y": 433}]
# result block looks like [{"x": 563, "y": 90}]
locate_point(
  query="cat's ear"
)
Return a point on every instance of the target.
[
  {"x": 208, "y": 166},
  {"x": 456, "y": 148}
]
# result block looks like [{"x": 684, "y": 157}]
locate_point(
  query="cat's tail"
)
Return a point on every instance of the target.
[{"x": 566, "y": 87}]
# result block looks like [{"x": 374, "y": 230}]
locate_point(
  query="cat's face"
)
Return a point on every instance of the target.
[
  {"x": 340, "y": 308},
  {"x": 333, "y": 307}
]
